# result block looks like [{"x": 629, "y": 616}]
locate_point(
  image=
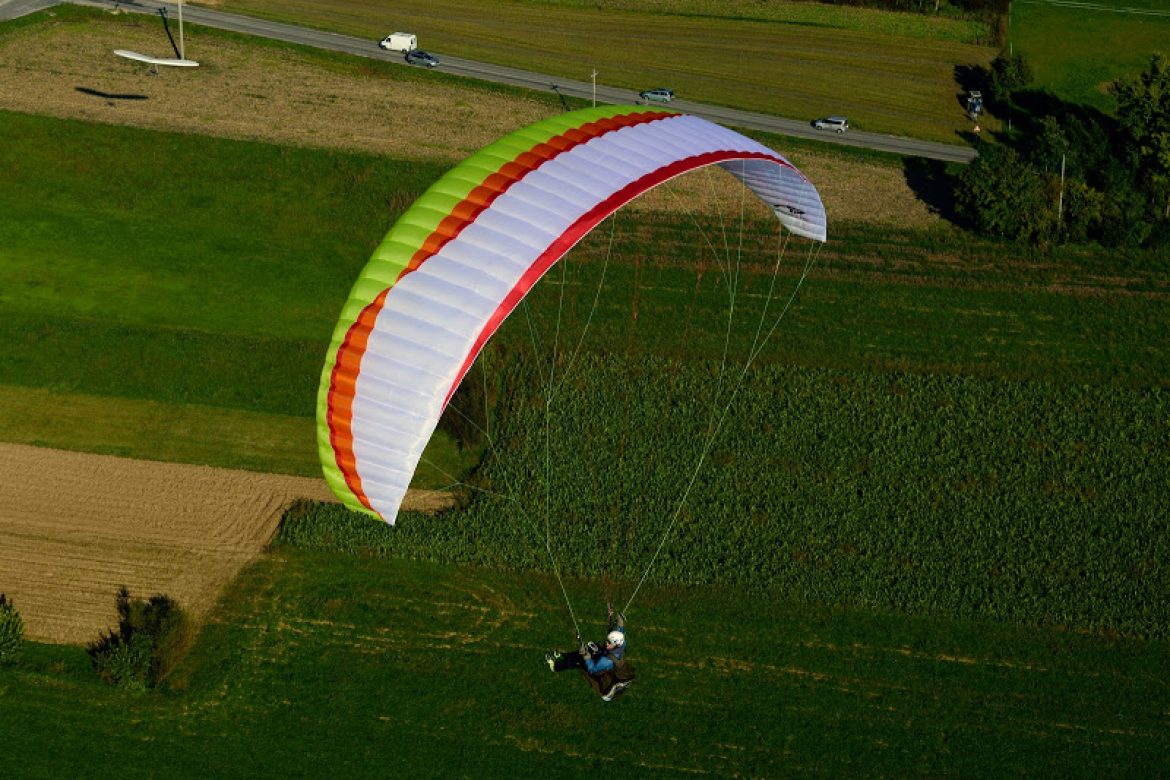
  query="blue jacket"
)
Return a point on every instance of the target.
[{"x": 603, "y": 661}]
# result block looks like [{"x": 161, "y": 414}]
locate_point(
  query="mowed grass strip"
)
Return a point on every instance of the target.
[
  {"x": 152, "y": 278},
  {"x": 812, "y": 14},
  {"x": 876, "y": 300},
  {"x": 157, "y": 430},
  {"x": 367, "y": 666},
  {"x": 885, "y": 83}
]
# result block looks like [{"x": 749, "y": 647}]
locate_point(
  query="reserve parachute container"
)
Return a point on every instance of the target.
[{"x": 465, "y": 254}]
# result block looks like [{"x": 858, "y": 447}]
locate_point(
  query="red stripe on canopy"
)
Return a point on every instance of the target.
[
  {"x": 580, "y": 228},
  {"x": 347, "y": 365}
]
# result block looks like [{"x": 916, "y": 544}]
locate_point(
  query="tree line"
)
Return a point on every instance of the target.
[{"x": 1067, "y": 173}]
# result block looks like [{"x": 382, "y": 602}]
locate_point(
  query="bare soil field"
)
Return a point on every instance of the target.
[
  {"x": 276, "y": 94},
  {"x": 74, "y": 527}
]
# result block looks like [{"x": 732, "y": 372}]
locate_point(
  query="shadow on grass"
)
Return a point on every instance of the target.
[
  {"x": 110, "y": 96},
  {"x": 1032, "y": 105},
  {"x": 933, "y": 184},
  {"x": 969, "y": 78},
  {"x": 934, "y": 181}
]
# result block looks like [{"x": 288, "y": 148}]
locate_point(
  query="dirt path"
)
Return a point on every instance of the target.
[{"x": 73, "y": 527}]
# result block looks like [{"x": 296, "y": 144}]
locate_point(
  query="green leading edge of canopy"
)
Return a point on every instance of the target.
[{"x": 412, "y": 229}]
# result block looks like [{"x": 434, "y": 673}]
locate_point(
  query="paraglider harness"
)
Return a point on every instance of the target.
[{"x": 610, "y": 683}]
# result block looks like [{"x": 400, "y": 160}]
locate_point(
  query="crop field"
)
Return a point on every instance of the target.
[
  {"x": 797, "y": 67},
  {"x": 928, "y": 538},
  {"x": 1063, "y": 42},
  {"x": 954, "y": 488}
]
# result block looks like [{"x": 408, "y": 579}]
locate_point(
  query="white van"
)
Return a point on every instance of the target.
[{"x": 399, "y": 41}]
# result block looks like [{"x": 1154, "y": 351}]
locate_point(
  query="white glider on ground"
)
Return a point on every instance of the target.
[
  {"x": 180, "y": 62},
  {"x": 133, "y": 55}
]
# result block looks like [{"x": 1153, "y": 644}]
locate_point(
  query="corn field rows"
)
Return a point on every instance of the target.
[{"x": 1016, "y": 501}]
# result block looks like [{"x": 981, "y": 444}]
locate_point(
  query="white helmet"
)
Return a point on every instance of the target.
[{"x": 616, "y": 638}]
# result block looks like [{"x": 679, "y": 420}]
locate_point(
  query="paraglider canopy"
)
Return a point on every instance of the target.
[{"x": 464, "y": 255}]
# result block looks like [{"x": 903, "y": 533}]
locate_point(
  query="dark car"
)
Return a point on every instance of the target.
[
  {"x": 658, "y": 95},
  {"x": 420, "y": 57}
]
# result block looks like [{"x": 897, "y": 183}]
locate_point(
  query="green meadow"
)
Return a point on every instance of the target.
[
  {"x": 319, "y": 664},
  {"x": 1077, "y": 51},
  {"x": 930, "y": 538},
  {"x": 155, "y": 286},
  {"x": 222, "y": 300}
]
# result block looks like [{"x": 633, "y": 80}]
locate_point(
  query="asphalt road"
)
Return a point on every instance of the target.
[{"x": 362, "y": 47}]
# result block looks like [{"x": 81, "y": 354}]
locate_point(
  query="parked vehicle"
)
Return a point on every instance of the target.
[
  {"x": 658, "y": 95},
  {"x": 399, "y": 41},
  {"x": 420, "y": 57},
  {"x": 837, "y": 123}
]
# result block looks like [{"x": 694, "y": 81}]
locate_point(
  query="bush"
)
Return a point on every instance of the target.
[
  {"x": 1001, "y": 195},
  {"x": 151, "y": 637},
  {"x": 124, "y": 663},
  {"x": 11, "y": 630}
]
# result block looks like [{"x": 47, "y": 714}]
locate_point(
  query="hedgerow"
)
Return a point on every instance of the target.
[{"x": 1014, "y": 500}]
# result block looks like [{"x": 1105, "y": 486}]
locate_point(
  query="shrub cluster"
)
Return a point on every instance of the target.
[
  {"x": 151, "y": 636},
  {"x": 1020, "y": 501},
  {"x": 11, "y": 629}
]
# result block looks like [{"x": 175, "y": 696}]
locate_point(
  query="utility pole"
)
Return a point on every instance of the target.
[
  {"x": 182, "y": 49},
  {"x": 1060, "y": 200},
  {"x": 594, "y": 77}
]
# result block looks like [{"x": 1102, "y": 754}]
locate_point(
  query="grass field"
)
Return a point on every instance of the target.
[
  {"x": 1077, "y": 50},
  {"x": 195, "y": 333},
  {"x": 800, "y": 12},
  {"x": 1046, "y": 412},
  {"x": 175, "y": 327},
  {"x": 171, "y": 347},
  {"x": 800, "y": 68},
  {"x": 368, "y": 667}
]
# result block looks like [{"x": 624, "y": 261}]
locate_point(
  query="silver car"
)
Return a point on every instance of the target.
[
  {"x": 837, "y": 123},
  {"x": 658, "y": 95}
]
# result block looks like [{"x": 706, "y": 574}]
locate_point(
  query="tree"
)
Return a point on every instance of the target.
[
  {"x": 11, "y": 629},
  {"x": 1082, "y": 211},
  {"x": 1143, "y": 108},
  {"x": 1009, "y": 73},
  {"x": 1049, "y": 145},
  {"x": 1001, "y": 195}
]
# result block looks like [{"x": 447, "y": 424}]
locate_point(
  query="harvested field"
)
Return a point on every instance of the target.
[{"x": 74, "y": 527}]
